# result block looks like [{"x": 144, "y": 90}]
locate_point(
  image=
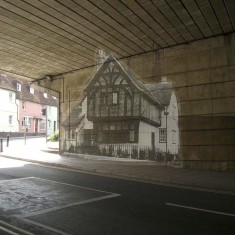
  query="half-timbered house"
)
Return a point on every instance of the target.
[
  {"x": 120, "y": 106},
  {"x": 124, "y": 112}
]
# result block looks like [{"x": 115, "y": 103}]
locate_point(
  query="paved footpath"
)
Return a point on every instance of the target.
[{"x": 144, "y": 171}]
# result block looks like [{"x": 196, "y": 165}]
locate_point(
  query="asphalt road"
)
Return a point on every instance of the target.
[{"x": 42, "y": 200}]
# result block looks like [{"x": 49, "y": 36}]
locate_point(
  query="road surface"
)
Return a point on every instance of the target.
[{"x": 42, "y": 200}]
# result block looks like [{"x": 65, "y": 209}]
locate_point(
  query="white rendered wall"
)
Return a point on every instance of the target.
[
  {"x": 8, "y": 107},
  {"x": 145, "y": 135},
  {"x": 52, "y": 116},
  {"x": 172, "y": 126}
]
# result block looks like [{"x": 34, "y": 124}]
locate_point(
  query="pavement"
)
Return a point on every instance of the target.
[{"x": 46, "y": 154}]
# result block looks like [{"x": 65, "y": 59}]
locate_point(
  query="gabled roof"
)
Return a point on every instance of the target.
[
  {"x": 75, "y": 117},
  {"x": 138, "y": 84},
  {"x": 5, "y": 83},
  {"x": 10, "y": 83},
  {"x": 158, "y": 92},
  {"x": 161, "y": 91}
]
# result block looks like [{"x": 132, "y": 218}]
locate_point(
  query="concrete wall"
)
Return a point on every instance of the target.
[{"x": 203, "y": 76}]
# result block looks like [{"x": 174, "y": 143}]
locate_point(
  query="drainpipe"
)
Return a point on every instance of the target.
[{"x": 166, "y": 113}]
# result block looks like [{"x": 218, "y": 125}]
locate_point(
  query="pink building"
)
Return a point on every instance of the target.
[
  {"x": 30, "y": 105},
  {"x": 30, "y": 116}
]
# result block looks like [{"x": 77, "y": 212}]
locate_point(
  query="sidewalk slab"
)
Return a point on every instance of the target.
[{"x": 129, "y": 169}]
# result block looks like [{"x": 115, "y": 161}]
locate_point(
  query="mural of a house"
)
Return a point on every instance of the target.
[{"x": 121, "y": 116}]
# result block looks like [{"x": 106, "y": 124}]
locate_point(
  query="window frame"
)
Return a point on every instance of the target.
[
  {"x": 31, "y": 90},
  {"x": 115, "y": 98},
  {"x": 162, "y": 136},
  {"x": 10, "y": 119},
  {"x": 11, "y": 97},
  {"x": 26, "y": 120},
  {"x": 18, "y": 86},
  {"x": 173, "y": 136}
]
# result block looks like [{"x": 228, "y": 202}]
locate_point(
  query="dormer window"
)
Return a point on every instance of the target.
[
  {"x": 18, "y": 86},
  {"x": 45, "y": 95},
  {"x": 31, "y": 90}
]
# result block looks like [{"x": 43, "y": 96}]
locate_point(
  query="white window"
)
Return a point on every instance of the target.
[
  {"x": 42, "y": 124},
  {"x": 18, "y": 86},
  {"x": 115, "y": 98},
  {"x": 73, "y": 134},
  {"x": 31, "y": 90},
  {"x": 162, "y": 135},
  {"x": 45, "y": 95},
  {"x": 26, "y": 122},
  {"x": 132, "y": 136},
  {"x": 10, "y": 97},
  {"x": 10, "y": 119}
]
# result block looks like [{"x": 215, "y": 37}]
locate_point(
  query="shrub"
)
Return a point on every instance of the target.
[{"x": 54, "y": 136}]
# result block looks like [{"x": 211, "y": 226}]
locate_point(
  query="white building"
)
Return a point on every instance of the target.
[
  {"x": 21, "y": 106},
  {"x": 8, "y": 107},
  {"x": 168, "y": 132},
  {"x": 52, "y": 122}
]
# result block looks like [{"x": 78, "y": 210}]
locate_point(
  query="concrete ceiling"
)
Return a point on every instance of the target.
[{"x": 50, "y": 37}]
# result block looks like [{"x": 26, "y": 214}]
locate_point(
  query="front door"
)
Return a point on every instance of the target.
[
  {"x": 153, "y": 140},
  {"x": 36, "y": 125},
  {"x": 54, "y": 126}
]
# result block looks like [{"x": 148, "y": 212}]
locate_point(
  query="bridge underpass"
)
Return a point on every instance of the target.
[{"x": 191, "y": 43}]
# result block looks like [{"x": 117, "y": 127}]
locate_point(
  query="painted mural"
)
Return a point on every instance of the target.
[{"x": 122, "y": 117}]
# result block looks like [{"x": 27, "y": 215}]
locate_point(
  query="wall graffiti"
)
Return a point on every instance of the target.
[{"x": 122, "y": 117}]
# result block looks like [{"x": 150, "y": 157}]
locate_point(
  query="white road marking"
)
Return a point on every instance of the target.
[
  {"x": 72, "y": 185},
  {"x": 24, "y": 217},
  {"x": 45, "y": 227},
  {"x": 15, "y": 179},
  {"x": 8, "y": 231},
  {"x": 14, "y": 227},
  {"x": 68, "y": 205},
  {"x": 199, "y": 209}
]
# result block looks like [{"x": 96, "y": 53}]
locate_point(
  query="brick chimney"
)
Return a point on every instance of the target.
[{"x": 100, "y": 58}]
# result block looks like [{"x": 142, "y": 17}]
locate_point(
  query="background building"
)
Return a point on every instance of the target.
[
  {"x": 22, "y": 108},
  {"x": 8, "y": 106}
]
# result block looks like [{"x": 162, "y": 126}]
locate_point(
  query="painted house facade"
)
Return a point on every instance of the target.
[
  {"x": 121, "y": 114},
  {"x": 118, "y": 105}
]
